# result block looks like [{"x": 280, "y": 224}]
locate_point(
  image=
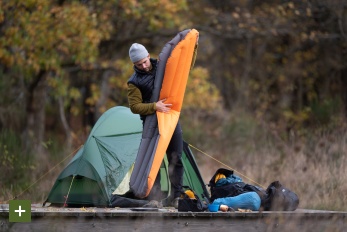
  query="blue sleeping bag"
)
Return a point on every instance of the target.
[{"x": 250, "y": 200}]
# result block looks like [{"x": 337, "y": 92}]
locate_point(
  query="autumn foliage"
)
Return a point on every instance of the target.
[{"x": 269, "y": 84}]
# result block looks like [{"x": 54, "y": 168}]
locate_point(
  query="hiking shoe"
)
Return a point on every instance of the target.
[
  {"x": 153, "y": 204},
  {"x": 174, "y": 202}
]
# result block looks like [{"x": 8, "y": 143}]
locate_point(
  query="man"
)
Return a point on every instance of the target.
[{"x": 140, "y": 87}]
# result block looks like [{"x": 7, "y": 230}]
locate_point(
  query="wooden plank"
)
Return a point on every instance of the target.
[{"x": 116, "y": 219}]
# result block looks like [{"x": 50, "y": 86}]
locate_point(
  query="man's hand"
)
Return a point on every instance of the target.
[{"x": 162, "y": 107}]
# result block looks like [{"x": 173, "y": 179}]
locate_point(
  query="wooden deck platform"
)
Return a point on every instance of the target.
[{"x": 168, "y": 219}]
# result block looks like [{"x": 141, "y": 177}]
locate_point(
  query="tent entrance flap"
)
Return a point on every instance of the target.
[{"x": 118, "y": 155}]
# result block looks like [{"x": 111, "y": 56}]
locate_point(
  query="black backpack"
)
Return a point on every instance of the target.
[
  {"x": 232, "y": 189},
  {"x": 186, "y": 204},
  {"x": 280, "y": 198}
]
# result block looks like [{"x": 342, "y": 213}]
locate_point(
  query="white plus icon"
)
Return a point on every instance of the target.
[{"x": 20, "y": 211}]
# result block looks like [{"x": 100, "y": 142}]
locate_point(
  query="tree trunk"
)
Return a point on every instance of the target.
[
  {"x": 33, "y": 134},
  {"x": 66, "y": 126},
  {"x": 104, "y": 94}
]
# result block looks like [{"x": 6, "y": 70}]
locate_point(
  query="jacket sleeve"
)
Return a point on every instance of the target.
[{"x": 135, "y": 102}]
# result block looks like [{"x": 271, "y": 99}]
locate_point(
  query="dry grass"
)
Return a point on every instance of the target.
[{"x": 312, "y": 166}]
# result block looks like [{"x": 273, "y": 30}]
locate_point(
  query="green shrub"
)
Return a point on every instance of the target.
[{"x": 17, "y": 166}]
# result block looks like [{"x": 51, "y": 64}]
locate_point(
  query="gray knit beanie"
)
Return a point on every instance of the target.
[{"x": 137, "y": 52}]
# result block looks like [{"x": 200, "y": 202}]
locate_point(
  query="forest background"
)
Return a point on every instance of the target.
[{"x": 267, "y": 96}]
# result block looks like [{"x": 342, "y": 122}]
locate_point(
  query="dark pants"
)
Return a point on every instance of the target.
[{"x": 174, "y": 155}]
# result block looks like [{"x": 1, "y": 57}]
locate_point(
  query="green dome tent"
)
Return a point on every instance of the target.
[{"x": 103, "y": 166}]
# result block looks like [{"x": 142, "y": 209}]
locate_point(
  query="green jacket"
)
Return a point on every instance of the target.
[{"x": 136, "y": 104}]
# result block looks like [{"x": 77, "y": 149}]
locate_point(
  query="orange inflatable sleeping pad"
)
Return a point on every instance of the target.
[{"x": 173, "y": 88}]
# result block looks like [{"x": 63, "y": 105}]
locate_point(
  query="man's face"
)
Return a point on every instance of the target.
[{"x": 144, "y": 64}]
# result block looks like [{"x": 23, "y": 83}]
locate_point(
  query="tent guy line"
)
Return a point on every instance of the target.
[
  {"x": 72, "y": 153},
  {"x": 67, "y": 196},
  {"x": 226, "y": 165}
]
